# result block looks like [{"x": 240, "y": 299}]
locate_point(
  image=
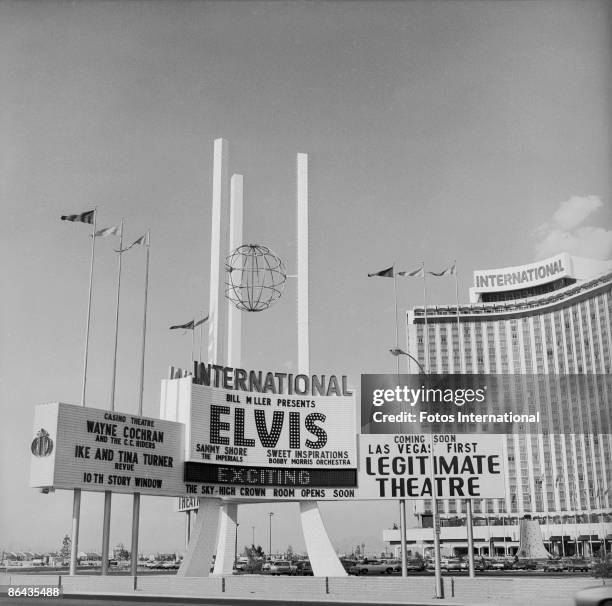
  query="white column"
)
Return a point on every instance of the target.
[
  {"x": 198, "y": 558},
  {"x": 226, "y": 538},
  {"x": 236, "y": 237},
  {"x": 201, "y": 548},
  {"x": 321, "y": 553},
  {"x": 302, "y": 265},
  {"x": 218, "y": 248}
]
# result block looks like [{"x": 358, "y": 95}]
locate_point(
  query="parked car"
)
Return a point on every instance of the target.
[
  {"x": 395, "y": 564},
  {"x": 303, "y": 569},
  {"x": 371, "y": 567},
  {"x": 525, "y": 565},
  {"x": 281, "y": 567},
  {"x": 554, "y": 566},
  {"x": 579, "y": 564},
  {"x": 414, "y": 564},
  {"x": 453, "y": 564}
]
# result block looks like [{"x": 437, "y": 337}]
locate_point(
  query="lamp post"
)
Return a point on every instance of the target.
[
  {"x": 236, "y": 544},
  {"x": 396, "y": 351},
  {"x": 253, "y": 541},
  {"x": 270, "y": 514}
]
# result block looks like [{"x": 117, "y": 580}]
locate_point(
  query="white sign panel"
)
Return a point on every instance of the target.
[
  {"x": 99, "y": 450},
  {"x": 465, "y": 466},
  {"x": 241, "y": 428}
]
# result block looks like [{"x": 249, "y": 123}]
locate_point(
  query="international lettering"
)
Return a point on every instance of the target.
[
  {"x": 522, "y": 276},
  {"x": 280, "y": 383}
]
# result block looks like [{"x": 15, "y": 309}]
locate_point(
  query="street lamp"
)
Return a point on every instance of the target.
[
  {"x": 253, "y": 541},
  {"x": 396, "y": 351},
  {"x": 270, "y": 549},
  {"x": 236, "y": 545}
]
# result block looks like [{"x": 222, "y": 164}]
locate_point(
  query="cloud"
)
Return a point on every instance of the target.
[
  {"x": 574, "y": 211},
  {"x": 566, "y": 234}
]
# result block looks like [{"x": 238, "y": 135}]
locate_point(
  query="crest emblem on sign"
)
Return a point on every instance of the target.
[{"x": 42, "y": 445}]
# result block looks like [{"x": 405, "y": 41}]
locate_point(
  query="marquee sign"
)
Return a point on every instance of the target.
[
  {"x": 413, "y": 466},
  {"x": 238, "y": 437},
  {"x": 99, "y": 450}
]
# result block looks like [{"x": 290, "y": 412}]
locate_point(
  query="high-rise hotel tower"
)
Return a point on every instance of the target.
[{"x": 549, "y": 317}]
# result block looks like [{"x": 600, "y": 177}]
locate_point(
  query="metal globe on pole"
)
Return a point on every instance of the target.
[{"x": 255, "y": 277}]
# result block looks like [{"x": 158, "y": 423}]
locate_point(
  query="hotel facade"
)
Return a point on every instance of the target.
[{"x": 545, "y": 318}]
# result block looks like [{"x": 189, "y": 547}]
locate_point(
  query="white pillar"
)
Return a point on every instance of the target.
[
  {"x": 198, "y": 558},
  {"x": 226, "y": 539},
  {"x": 321, "y": 553},
  {"x": 201, "y": 548},
  {"x": 228, "y": 520},
  {"x": 218, "y": 251},
  {"x": 302, "y": 265},
  {"x": 236, "y": 236}
]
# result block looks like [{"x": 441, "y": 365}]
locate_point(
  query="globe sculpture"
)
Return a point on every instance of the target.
[{"x": 255, "y": 277}]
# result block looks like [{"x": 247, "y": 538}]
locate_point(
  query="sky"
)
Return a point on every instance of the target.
[{"x": 474, "y": 131}]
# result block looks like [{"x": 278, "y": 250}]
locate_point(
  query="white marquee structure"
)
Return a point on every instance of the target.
[{"x": 216, "y": 521}]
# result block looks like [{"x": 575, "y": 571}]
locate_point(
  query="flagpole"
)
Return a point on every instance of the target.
[
  {"x": 76, "y": 496},
  {"x": 91, "y": 268},
  {"x": 434, "y": 500},
  {"x": 425, "y": 329},
  {"x": 201, "y": 336},
  {"x": 396, "y": 323},
  {"x": 192, "y": 342},
  {"x": 108, "y": 494},
  {"x": 144, "y": 324},
  {"x": 402, "y": 502},
  {"x": 136, "y": 499},
  {"x": 459, "y": 335},
  {"x": 113, "y": 383},
  {"x": 468, "y": 504}
]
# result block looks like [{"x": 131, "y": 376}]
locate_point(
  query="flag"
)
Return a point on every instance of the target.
[
  {"x": 415, "y": 273},
  {"x": 142, "y": 241},
  {"x": 200, "y": 321},
  {"x": 108, "y": 231},
  {"x": 383, "y": 273},
  {"x": 188, "y": 326},
  {"x": 449, "y": 271},
  {"x": 86, "y": 217}
]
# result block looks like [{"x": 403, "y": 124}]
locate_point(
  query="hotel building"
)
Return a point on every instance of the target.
[{"x": 551, "y": 317}]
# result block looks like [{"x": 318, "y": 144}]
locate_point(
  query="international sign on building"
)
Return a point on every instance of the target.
[
  {"x": 522, "y": 276},
  {"x": 413, "y": 466},
  {"x": 100, "y": 450}
]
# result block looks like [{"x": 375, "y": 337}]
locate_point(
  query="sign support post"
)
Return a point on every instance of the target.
[
  {"x": 74, "y": 545},
  {"x": 436, "y": 525},
  {"x": 470, "y": 537}
]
